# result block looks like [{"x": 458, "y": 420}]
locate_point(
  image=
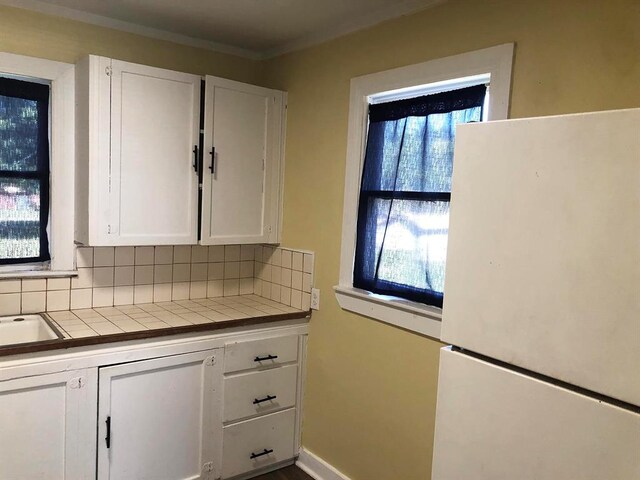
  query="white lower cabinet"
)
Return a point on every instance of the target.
[
  {"x": 207, "y": 407},
  {"x": 46, "y": 426},
  {"x": 157, "y": 418}
]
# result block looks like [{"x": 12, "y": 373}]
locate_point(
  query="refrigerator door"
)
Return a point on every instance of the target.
[
  {"x": 543, "y": 266},
  {"x": 495, "y": 424}
]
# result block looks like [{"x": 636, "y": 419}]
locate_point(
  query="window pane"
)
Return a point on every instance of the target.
[
  {"x": 19, "y": 218},
  {"x": 412, "y": 244},
  {"x": 18, "y": 134}
]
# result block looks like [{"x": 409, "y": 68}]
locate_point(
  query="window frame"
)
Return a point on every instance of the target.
[
  {"x": 61, "y": 77},
  {"x": 438, "y": 75}
]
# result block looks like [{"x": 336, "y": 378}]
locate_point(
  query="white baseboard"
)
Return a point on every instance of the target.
[{"x": 317, "y": 467}]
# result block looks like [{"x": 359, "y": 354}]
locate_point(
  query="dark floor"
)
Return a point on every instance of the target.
[{"x": 287, "y": 473}]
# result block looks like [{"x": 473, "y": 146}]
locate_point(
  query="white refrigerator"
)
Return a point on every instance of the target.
[{"x": 542, "y": 302}]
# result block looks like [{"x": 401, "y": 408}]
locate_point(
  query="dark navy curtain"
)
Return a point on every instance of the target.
[{"x": 403, "y": 216}]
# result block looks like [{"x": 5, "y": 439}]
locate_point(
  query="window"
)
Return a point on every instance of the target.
[
  {"x": 360, "y": 289},
  {"x": 24, "y": 171},
  {"x": 403, "y": 214},
  {"x": 37, "y": 160}
]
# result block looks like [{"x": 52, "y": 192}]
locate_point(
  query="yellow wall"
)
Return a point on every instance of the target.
[
  {"x": 33, "y": 34},
  {"x": 371, "y": 389},
  {"x": 369, "y": 406}
]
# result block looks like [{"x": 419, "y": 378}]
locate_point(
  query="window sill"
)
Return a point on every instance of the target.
[
  {"x": 16, "y": 275},
  {"x": 416, "y": 317}
]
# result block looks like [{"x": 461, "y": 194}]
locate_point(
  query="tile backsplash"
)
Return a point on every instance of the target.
[
  {"x": 112, "y": 276},
  {"x": 284, "y": 275}
]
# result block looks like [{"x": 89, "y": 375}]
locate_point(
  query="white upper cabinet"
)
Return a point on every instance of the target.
[
  {"x": 242, "y": 172},
  {"x": 137, "y": 128}
]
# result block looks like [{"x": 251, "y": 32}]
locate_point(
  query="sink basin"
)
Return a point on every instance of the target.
[{"x": 26, "y": 329}]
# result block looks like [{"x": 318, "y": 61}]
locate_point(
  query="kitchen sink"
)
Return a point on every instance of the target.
[{"x": 19, "y": 329}]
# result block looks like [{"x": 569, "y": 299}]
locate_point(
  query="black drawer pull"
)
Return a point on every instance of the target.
[
  {"x": 268, "y": 357},
  {"x": 265, "y": 399},
  {"x": 264, "y": 452}
]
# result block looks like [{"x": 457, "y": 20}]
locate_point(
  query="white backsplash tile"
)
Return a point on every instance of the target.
[
  {"x": 84, "y": 257},
  {"x": 143, "y": 275},
  {"x": 33, "y": 302},
  {"x": 103, "y": 276},
  {"x": 34, "y": 285},
  {"x": 81, "y": 298},
  {"x": 199, "y": 254},
  {"x": 138, "y": 276},
  {"x": 123, "y": 276},
  {"x": 103, "y": 297},
  {"x": 163, "y": 255},
  {"x": 124, "y": 256},
  {"x": 162, "y": 274},
  {"x": 232, "y": 253},
  {"x": 182, "y": 254},
  {"x": 123, "y": 295},
  {"x": 58, "y": 300},
  {"x": 58, "y": 283},
  {"x": 103, "y": 257},
  {"x": 143, "y": 294},
  {"x": 216, "y": 253}
]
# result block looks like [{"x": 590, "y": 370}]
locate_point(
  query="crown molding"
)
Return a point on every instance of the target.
[
  {"x": 349, "y": 26},
  {"x": 353, "y": 25},
  {"x": 107, "y": 22}
]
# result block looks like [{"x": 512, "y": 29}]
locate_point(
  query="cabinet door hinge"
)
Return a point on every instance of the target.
[
  {"x": 208, "y": 470},
  {"x": 210, "y": 361},
  {"x": 108, "y": 229},
  {"x": 108, "y": 71},
  {"x": 77, "y": 382}
]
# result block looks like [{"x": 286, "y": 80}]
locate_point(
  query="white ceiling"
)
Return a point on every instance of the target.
[{"x": 253, "y": 28}]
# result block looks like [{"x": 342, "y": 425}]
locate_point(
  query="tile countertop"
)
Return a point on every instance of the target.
[{"x": 92, "y": 326}]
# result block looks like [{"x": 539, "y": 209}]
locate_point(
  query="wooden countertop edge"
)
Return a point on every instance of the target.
[{"x": 60, "y": 344}]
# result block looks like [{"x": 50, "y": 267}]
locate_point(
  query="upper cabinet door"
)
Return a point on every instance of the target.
[
  {"x": 241, "y": 199},
  {"x": 154, "y": 130},
  {"x": 136, "y": 129}
]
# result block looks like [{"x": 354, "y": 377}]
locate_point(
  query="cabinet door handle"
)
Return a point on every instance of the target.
[
  {"x": 212, "y": 167},
  {"x": 195, "y": 158},
  {"x": 107, "y": 439},
  {"x": 264, "y": 452},
  {"x": 268, "y": 357},
  {"x": 265, "y": 399}
]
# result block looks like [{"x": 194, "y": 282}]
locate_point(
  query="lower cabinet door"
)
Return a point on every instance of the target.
[
  {"x": 258, "y": 443},
  {"x": 47, "y": 426},
  {"x": 158, "y": 418}
]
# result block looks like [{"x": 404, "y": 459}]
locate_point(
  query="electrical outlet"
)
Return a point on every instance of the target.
[{"x": 315, "y": 299}]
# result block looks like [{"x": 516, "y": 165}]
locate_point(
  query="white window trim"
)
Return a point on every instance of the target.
[
  {"x": 62, "y": 78},
  {"x": 496, "y": 61}
]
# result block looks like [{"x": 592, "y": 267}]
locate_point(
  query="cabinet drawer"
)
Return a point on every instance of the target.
[
  {"x": 245, "y": 444},
  {"x": 269, "y": 352},
  {"x": 258, "y": 393}
]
